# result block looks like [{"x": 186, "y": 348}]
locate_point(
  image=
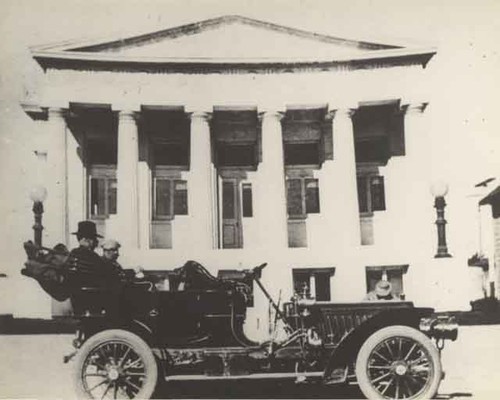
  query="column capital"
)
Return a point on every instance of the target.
[
  {"x": 127, "y": 115},
  {"x": 271, "y": 114},
  {"x": 414, "y": 108},
  {"x": 200, "y": 115},
  {"x": 345, "y": 112}
]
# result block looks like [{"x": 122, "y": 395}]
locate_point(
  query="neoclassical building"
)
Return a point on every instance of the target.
[{"x": 234, "y": 142}]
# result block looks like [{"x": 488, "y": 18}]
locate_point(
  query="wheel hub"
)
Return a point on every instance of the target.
[
  {"x": 113, "y": 374},
  {"x": 400, "y": 368}
]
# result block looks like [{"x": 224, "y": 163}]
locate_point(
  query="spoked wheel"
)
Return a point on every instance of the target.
[
  {"x": 115, "y": 364},
  {"x": 398, "y": 362}
]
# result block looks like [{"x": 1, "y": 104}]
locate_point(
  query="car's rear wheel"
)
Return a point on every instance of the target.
[
  {"x": 398, "y": 362},
  {"x": 115, "y": 364}
]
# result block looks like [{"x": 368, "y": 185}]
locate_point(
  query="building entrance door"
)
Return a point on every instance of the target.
[{"x": 232, "y": 236}]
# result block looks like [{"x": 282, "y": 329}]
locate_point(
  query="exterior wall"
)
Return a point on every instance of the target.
[
  {"x": 404, "y": 233},
  {"x": 494, "y": 272}
]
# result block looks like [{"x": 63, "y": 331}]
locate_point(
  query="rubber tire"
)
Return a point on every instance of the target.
[
  {"x": 402, "y": 331},
  {"x": 135, "y": 342}
]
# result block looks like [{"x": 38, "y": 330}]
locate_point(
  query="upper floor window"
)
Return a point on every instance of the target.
[
  {"x": 371, "y": 193},
  {"x": 100, "y": 156},
  {"x": 170, "y": 198},
  {"x": 102, "y": 191},
  {"x": 302, "y": 197}
]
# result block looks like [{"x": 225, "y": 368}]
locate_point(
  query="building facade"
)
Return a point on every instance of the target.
[{"x": 235, "y": 142}]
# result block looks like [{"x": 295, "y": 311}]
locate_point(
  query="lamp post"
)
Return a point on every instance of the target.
[
  {"x": 38, "y": 195},
  {"x": 439, "y": 190}
]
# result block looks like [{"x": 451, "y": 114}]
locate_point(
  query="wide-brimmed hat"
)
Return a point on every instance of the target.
[
  {"x": 87, "y": 229},
  {"x": 383, "y": 288},
  {"x": 111, "y": 244}
]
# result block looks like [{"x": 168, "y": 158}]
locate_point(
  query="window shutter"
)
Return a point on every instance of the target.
[
  {"x": 294, "y": 197},
  {"x": 328, "y": 152},
  {"x": 180, "y": 198},
  {"x": 397, "y": 134},
  {"x": 362, "y": 194},
  {"x": 112, "y": 189},
  {"x": 162, "y": 199},
  {"x": 246, "y": 189},
  {"x": 312, "y": 196},
  {"x": 98, "y": 196},
  {"x": 322, "y": 286},
  {"x": 228, "y": 209},
  {"x": 377, "y": 193}
]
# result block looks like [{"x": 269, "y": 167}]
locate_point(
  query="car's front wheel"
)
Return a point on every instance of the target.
[
  {"x": 115, "y": 364},
  {"x": 398, "y": 362}
]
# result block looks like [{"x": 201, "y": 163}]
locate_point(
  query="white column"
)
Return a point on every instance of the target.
[
  {"x": 413, "y": 177},
  {"x": 272, "y": 197},
  {"x": 127, "y": 171},
  {"x": 345, "y": 184},
  {"x": 200, "y": 194},
  {"x": 77, "y": 203},
  {"x": 329, "y": 200},
  {"x": 56, "y": 205},
  {"x": 144, "y": 192}
]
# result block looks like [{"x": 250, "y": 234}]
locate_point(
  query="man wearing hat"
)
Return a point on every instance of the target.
[
  {"x": 382, "y": 291},
  {"x": 94, "y": 270},
  {"x": 87, "y": 237}
]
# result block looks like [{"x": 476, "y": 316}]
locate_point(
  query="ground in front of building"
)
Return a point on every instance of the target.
[{"x": 32, "y": 367}]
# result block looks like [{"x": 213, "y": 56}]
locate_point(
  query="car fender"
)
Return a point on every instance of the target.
[{"x": 347, "y": 349}]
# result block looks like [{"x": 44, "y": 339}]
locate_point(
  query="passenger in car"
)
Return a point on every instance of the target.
[{"x": 110, "y": 254}]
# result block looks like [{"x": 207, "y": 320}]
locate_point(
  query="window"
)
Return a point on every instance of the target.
[
  {"x": 102, "y": 192},
  {"x": 246, "y": 190},
  {"x": 391, "y": 273},
  {"x": 170, "y": 198},
  {"x": 371, "y": 193},
  {"x": 100, "y": 157},
  {"x": 302, "y": 197},
  {"x": 313, "y": 283}
]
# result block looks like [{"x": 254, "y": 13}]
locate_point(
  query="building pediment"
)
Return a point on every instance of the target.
[{"x": 228, "y": 41}]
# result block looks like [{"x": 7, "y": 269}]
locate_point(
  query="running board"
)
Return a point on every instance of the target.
[{"x": 278, "y": 375}]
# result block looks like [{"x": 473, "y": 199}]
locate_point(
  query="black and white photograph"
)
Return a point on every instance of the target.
[{"x": 249, "y": 199}]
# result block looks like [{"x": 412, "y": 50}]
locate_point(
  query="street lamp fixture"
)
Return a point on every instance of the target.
[
  {"x": 439, "y": 189},
  {"x": 38, "y": 195}
]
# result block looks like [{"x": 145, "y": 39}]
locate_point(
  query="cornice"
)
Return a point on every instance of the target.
[{"x": 106, "y": 62}]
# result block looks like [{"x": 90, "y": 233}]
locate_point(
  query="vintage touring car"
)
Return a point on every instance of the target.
[{"x": 186, "y": 324}]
